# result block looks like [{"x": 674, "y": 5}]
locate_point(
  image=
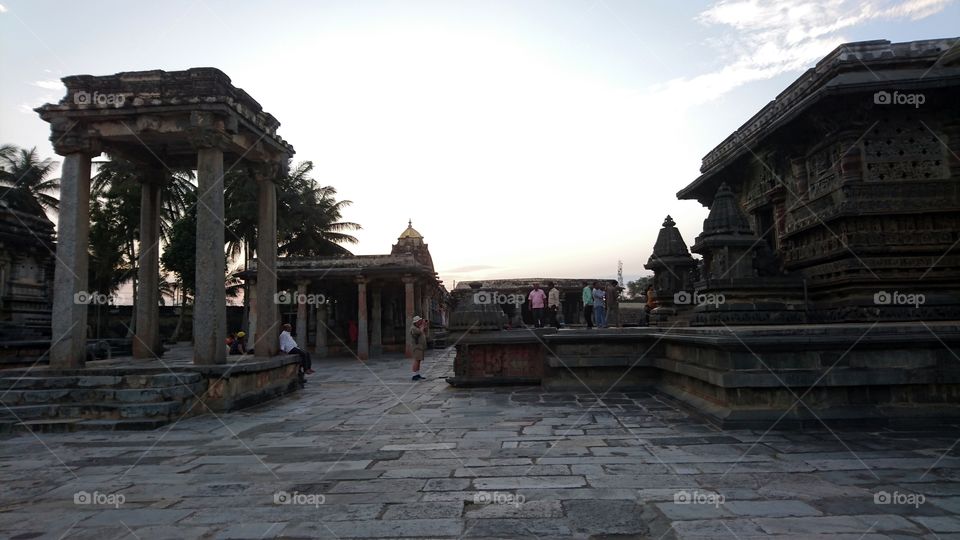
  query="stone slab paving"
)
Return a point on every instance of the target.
[{"x": 362, "y": 452}]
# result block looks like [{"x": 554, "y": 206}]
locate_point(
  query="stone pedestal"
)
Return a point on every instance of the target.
[{"x": 210, "y": 303}]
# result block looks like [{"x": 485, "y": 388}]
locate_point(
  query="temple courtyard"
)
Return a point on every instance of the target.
[{"x": 362, "y": 452}]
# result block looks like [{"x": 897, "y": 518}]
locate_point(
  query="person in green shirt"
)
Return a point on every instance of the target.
[{"x": 588, "y": 304}]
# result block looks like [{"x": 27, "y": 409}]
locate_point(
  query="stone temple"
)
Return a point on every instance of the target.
[{"x": 837, "y": 202}]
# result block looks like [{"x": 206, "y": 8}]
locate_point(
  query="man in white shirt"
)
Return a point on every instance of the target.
[
  {"x": 553, "y": 305},
  {"x": 289, "y": 346}
]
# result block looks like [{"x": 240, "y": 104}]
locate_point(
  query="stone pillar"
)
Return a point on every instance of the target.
[
  {"x": 321, "y": 347},
  {"x": 408, "y": 282},
  {"x": 363, "y": 336},
  {"x": 69, "y": 339},
  {"x": 425, "y": 304},
  {"x": 210, "y": 303},
  {"x": 302, "y": 313},
  {"x": 268, "y": 317},
  {"x": 146, "y": 342},
  {"x": 376, "y": 337},
  {"x": 252, "y": 313}
]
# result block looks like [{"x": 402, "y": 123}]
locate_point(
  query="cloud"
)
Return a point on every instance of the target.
[
  {"x": 52, "y": 84},
  {"x": 775, "y": 37},
  {"x": 3, "y": 8}
]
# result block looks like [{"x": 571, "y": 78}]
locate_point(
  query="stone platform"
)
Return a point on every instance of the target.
[
  {"x": 361, "y": 452},
  {"x": 758, "y": 376},
  {"x": 134, "y": 394}
]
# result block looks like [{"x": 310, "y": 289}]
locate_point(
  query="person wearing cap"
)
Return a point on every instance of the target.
[
  {"x": 238, "y": 344},
  {"x": 419, "y": 334}
]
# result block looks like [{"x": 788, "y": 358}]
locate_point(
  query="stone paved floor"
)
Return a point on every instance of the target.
[{"x": 362, "y": 452}]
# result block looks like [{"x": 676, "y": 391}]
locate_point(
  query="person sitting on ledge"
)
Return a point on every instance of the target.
[
  {"x": 237, "y": 345},
  {"x": 289, "y": 346}
]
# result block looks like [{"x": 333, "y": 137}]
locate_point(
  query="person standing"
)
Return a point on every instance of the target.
[
  {"x": 599, "y": 306},
  {"x": 537, "y": 300},
  {"x": 553, "y": 305},
  {"x": 289, "y": 346},
  {"x": 419, "y": 334},
  {"x": 613, "y": 303},
  {"x": 588, "y": 304}
]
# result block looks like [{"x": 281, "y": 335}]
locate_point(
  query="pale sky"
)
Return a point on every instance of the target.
[{"x": 523, "y": 138}]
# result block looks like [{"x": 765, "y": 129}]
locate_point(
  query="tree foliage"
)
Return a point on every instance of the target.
[{"x": 24, "y": 170}]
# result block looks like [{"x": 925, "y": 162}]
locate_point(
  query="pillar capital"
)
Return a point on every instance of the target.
[
  {"x": 268, "y": 171},
  {"x": 73, "y": 139},
  {"x": 408, "y": 279},
  {"x": 152, "y": 175},
  {"x": 208, "y": 137},
  {"x": 361, "y": 280}
]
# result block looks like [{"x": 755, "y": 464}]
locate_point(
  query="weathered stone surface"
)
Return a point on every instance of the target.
[
  {"x": 613, "y": 517},
  {"x": 217, "y": 477}
]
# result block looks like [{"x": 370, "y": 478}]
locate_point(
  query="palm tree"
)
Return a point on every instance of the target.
[
  {"x": 117, "y": 185},
  {"x": 308, "y": 219},
  {"x": 119, "y": 177},
  {"x": 23, "y": 169},
  {"x": 240, "y": 214}
]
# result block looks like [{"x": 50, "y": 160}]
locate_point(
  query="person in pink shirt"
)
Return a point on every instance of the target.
[{"x": 538, "y": 300}]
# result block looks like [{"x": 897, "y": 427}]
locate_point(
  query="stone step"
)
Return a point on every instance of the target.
[
  {"x": 109, "y": 411},
  {"x": 120, "y": 395},
  {"x": 21, "y": 413},
  {"x": 64, "y": 425},
  {"x": 94, "y": 411},
  {"x": 126, "y": 424},
  {"x": 15, "y": 381}
]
